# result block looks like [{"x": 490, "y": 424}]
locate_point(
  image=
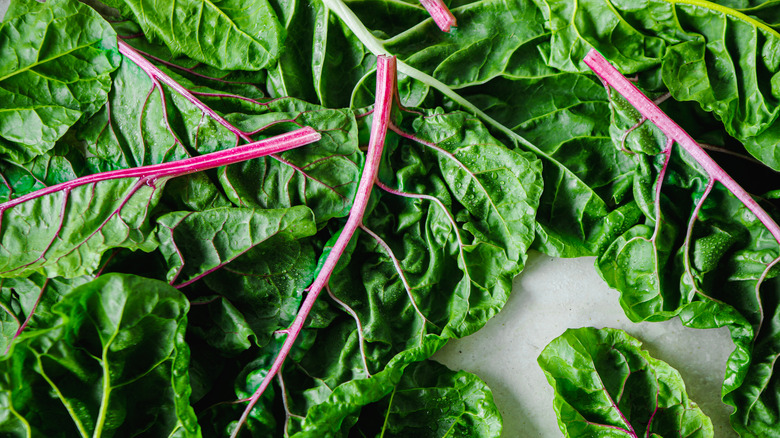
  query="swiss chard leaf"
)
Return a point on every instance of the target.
[
  {"x": 265, "y": 283},
  {"x": 606, "y": 385},
  {"x": 526, "y": 101},
  {"x": 99, "y": 371},
  {"x": 65, "y": 233},
  {"x": 587, "y": 198},
  {"x": 323, "y": 177},
  {"x": 160, "y": 125},
  {"x": 322, "y": 61},
  {"x": 706, "y": 252},
  {"x": 230, "y": 35},
  {"x": 50, "y": 76},
  {"x": 431, "y": 400},
  {"x": 449, "y": 57},
  {"x": 26, "y": 305},
  {"x": 198, "y": 243}
]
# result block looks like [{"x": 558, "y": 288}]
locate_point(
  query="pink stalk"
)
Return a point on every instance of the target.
[
  {"x": 612, "y": 78},
  {"x": 385, "y": 89},
  {"x": 153, "y": 172},
  {"x": 440, "y": 13}
]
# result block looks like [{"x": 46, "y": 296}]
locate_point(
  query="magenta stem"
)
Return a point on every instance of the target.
[
  {"x": 385, "y": 89},
  {"x": 612, "y": 78},
  {"x": 280, "y": 143},
  {"x": 440, "y": 13}
]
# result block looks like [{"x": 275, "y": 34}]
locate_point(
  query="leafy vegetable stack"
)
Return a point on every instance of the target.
[{"x": 182, "y": 181}]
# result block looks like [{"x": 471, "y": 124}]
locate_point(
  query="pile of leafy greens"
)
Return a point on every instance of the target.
[{"x": 157, "y": 304}]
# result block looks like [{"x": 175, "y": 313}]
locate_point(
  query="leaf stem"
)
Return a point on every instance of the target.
[
  {"x": 385, "y": 89},
  {"x": 280, "y": 143},
  {"x": 387, "y": 414}
]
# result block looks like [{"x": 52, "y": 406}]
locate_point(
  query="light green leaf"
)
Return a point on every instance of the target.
[
  {"x": 226, "y": 34},
  {"x": 50, "y": 75},
  {"x": 100, "y": 372}
]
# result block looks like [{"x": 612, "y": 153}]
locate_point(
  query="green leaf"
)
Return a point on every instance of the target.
[
  {"x": 587, "y": 198},
  {"x": 606, "y": 385},
  {"x": 323, "y": 61},
  {"x": 432, "y": 401},
  {"x": 50, "y": 76},
  {"x": 450, "y": 57},
  {"x": 266, "y": 283},
  {"x": 226, "y": 34},
  {"x": 99, "y": 372},
  {"x": 701, "y": 255},
  {"x": 197, "y": 243},
  {"x": 26, "y": 306},
  {"x": 65, "y": 233},
  {"x": 322, "y": 176}
]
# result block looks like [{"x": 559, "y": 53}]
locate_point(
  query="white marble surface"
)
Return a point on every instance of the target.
[{"x": 552, "y": 295}]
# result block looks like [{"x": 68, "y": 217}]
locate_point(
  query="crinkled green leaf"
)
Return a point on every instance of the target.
[
  {"x": 223, "y": 317},
  {"x": 226, "y": 34},
  {"x": 26, "y": 306},
  {"x": 606, "y": 385},
  {"x": 587, "y": 198},
  {"x": 322, "y": 176},
  {"x": 265, "y": 284},
  {"x": 586, "y": 201},
  {"x": 116, "y": 364},
  {"x": 65, "y": 233},
  {"x": 450, "y": 57},
  {"x": 50, "y": 75},
  {"x": 140, "y": 126},
  {"x": 197, "y": 243},
  {"x": 430, "y": 400},
  {"x": 323, "y": 61}
]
